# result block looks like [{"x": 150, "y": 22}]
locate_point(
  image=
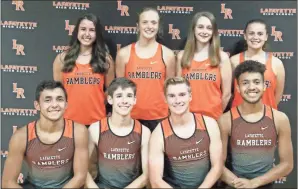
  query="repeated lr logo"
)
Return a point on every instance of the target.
[
  {"x": 19, "y": 5},
  {"x": 18, "y": 91},
  {"x": 123, "y": 8},
  {"x": 175, "y": 32},
  {"x": 69, "y": 27},
  {"x": 226, "y": 11},
  {"x": 18, "y": 47},
  {"x": 277, "y": 34}
]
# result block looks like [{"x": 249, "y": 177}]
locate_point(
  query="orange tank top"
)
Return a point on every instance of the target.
[
  {"x": 86, "y": 97},
  {"x": 205, "y": 83},
  {"x": 270, "y": 81},
  {"x": 149, "y": 75}
]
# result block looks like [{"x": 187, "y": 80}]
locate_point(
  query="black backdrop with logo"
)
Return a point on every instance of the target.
[{"x": 33, "y": 32}]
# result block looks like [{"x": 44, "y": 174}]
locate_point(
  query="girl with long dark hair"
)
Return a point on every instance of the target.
[{"x": 84, "y": 69}]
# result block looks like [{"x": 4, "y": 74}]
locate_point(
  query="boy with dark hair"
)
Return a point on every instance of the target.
[
  {"x": 55, "y": 149},
  {"x": 255, "y": 130}
]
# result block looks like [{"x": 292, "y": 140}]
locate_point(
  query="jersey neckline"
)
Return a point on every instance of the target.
[
  {"x": 155, "y": 54},
  {"x": 35, "y": 128},
  {"x": 264, "y": 113},
  {"x": 133, "y": 128},
  {"x": 195, "y": 129}
]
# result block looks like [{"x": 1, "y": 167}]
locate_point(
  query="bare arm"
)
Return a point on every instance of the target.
[
  {"x": 80, "y": 163},
  {"x": 285, "y": 152},
  {"x": 110, "y": 75},
  {"x": 226, "y": 79},
  {"x": 57, "y": 67},
  {"x": 234, "y": 61},
  {"x": 224, "y": 124},
  {"x": 13, "y": 163},
  {"x": 156, "y": 159},
  {"x": 142, "y": 180},
  {"x": 178, "y": 65},
  {"x": 93, "y": 141},
  {"x": 280, "y": 76},
  {"x": 122, "y": 59},
  {"x": 215, "y": 151},
  {"x": 170, "y": 61}
]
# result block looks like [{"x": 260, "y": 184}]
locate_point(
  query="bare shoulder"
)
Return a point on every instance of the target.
[
  {"x": 59, "y": 60},
  {"x": 212, "y": 128},
  {"x": 61, "y": 56},
  {"x": 225, "y": 118},
  {"x": 18, "y": 140},
  {"x": 94, "y": 132},
  {"x": 167, "y": 51},
  {"x": 281, "y": 120},
  {"x": 123, "y": 55},
  {"x": 168, "y": 56},
  {"x": 208, "y": 119},
  {"x": 20, "y": 133},
  {"x": 279, "y": 115},
  {"x": 210, "y": 122},
  {"x": 223, "y": 56},
  {"x": 94, "y": 127},
  {"x": 224, "y": 121},
  {"x": 124, "y": 51},
  {"x": 276, "y": 61},
  {"x": 235, "y": 60}
]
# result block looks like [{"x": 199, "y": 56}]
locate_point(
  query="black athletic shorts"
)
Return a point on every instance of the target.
[{"x": 151, "y": 124}]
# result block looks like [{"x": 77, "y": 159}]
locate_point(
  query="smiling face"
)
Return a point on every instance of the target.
[
  {"x": 148, "y": 24},
  {"x": 251, "y": 87},
  {"x": 122, "y": 101},
  {"x": 51, "y": 104},
  {"x": 178, "y": 97},
  {"x": 203, "y": 30},
  {"x": 86, "y": 33},
  {"x": 256, "y": 35}
]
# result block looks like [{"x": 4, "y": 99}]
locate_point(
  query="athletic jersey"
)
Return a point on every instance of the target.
[
  {"x": 252, "y": 144},
  {"x": 119, "y": 157},
  {"x": 187, "y": 161},
  {"x": 270, "y": 81},
  {"x": 86, "y": 99},
  {"x": 50, "y": 165},
  {"x": 205, "y": 83},
  {"x": 149, "y": 75}
]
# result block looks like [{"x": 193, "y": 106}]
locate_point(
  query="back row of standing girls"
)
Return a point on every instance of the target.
[{"x": 87, "y": 67}]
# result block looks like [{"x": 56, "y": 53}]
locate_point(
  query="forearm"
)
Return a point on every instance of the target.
[
  {"x": 160, "y": 183},
  {"x": 211, "y": 178},
  {"x": 228, "y": 177},
  {"x": 139, "y": 182},
  {"x": 90, "y": 182},
  {"x": 76, "y": 182},
  {"x": 276, "y": 172}
]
